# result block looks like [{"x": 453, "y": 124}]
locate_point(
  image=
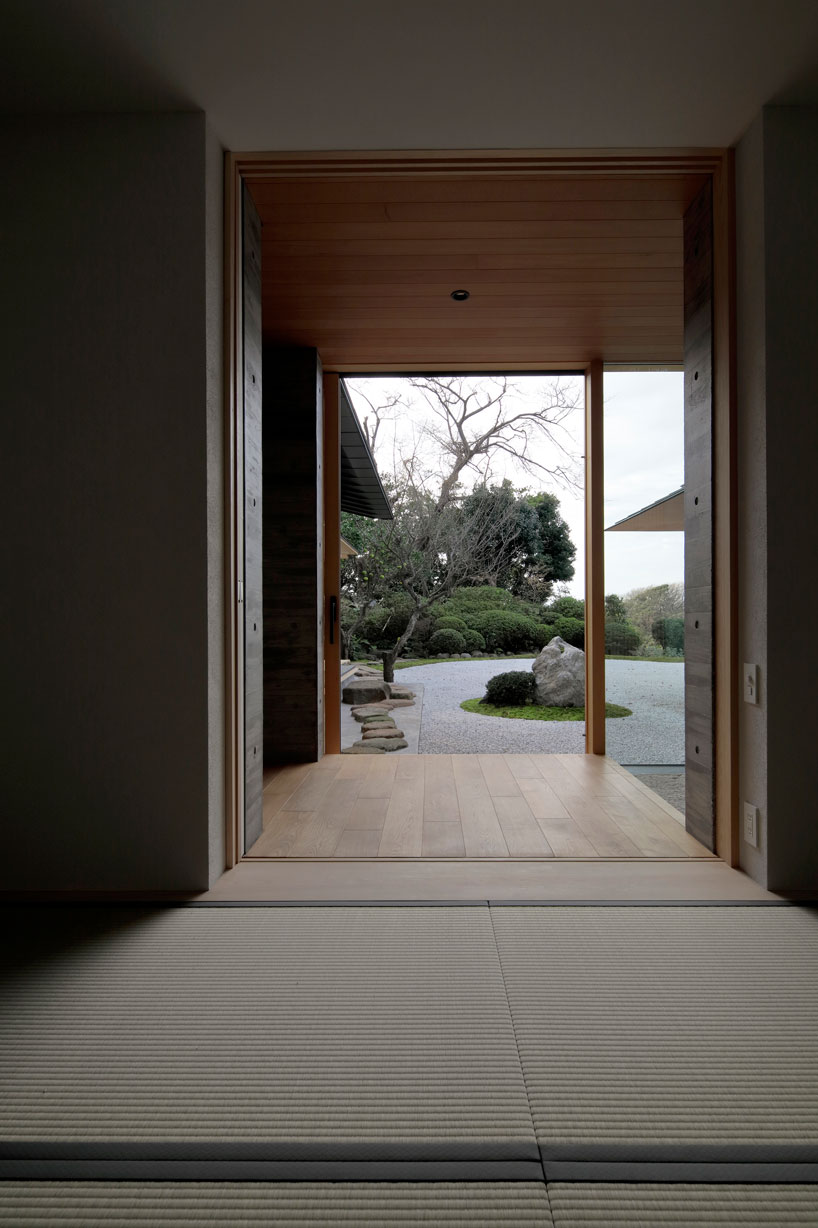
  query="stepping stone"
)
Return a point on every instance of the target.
[
  {"x": 383, "y": 733},
  {"x": 362, "y": 748},
  {"x": 400, "y": 692},
  {"x": 386, "y": 743},
  {"x": 373, "y": 726},
  {"x": 364, "y": 690}
]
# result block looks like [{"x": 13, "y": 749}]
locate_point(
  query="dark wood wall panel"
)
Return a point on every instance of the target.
[
  {"x": 293, "y": 556},
  {"x": 253, "y": 597},
  {"x": 699, "y": 658}
]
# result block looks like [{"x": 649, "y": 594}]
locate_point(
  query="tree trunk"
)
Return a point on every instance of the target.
[{"x": 388, "y": 659}]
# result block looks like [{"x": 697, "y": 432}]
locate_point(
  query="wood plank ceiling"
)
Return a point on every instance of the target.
[{"x": 560, "y": 269}]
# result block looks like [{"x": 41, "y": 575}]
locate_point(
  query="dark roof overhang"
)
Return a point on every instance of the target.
[{"x": 362, "y": 491}]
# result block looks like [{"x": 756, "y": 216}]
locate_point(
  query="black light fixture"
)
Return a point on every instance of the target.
[{"x": 460, "y": 296}]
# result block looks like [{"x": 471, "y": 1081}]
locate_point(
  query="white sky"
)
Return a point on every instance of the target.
[{"x": 644, "y": 460}]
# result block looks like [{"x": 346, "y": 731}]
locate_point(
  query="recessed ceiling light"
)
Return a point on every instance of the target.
[{"x": 460, "y": 296}]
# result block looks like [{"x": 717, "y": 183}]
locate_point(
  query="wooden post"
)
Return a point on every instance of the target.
[
  {"x": 332, "y": 566},
  {"x": 594, "y": 564}
]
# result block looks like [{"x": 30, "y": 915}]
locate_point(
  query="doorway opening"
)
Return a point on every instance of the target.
[{"x": 575, "y": 262}]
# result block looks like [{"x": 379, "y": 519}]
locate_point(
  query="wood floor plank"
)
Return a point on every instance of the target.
[
  {"x": 409, "y": 768},
  {"x": 557, "y": 776},
  {"x": 368, "y": 813},
  {"x": 608, "y": 839},
  {"x": 521, "y": 832},
  {"x": 443, "y": 840},
  {"x": 565, "y": 838},
  {"x": 482, "y": 833},
  {"x": 542, "y": 801},
  {"x": 381, "y": 778},
  {"x": 440, "y": 804},
  {"x": 312, "y": 790},
  {"x": 522, "y": 767},
  {"x": 402, "y": 834},
  {"x": 358, "y": 843},
  {"x": 287, "y": 775},
  {"x": 647, "y": 837},
  {"x": 356, "y": 766},
  {"x": 322, "y": 831},
  {"x": 498, "y": 777},
  {"x": 279, "y": 835},
  {"x": 688, "y": 845}
]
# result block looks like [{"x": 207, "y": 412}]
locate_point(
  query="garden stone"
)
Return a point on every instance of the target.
[
  {"x": 382, "y": 733},
  {"x": 386, "y": 743},
  {"x": 401, "y": 703},
  {"x": 368, "y": 726},
  {"x": 559, "y": 673},
  {"x": 400, "y": 692},
  {"x": 363, "y": 748},
  {"x": 368, "y": 711},
  {"x": 364, "y": 690}
]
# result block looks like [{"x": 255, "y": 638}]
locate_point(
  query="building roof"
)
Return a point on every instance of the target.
[
  {"x": 666, "y": 515},
  {"x": 362, "y": 491}
]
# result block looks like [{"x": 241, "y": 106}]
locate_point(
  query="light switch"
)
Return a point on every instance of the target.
[
  {"x": 751, "y": 824},
  {"x": 751, "y": 684}
]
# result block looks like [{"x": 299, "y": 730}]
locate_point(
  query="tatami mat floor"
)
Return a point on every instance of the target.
[{"x": 474, "y": 1036}]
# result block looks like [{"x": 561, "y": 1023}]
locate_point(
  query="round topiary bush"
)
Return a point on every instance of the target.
[
  {"x": 474, "y": 641},
  {"x": 621, "y": 639},
  {"x": 546, "y": 634},
  {"x": 447, "y": 641},
  {"x": 506, "y": 632},
  {"x": 571, "y": 630},
  {"x": 511, "y": 690},
  {"x": 450, "y": 622}
]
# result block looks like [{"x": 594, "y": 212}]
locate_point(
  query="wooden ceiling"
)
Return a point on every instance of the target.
[{"x": 560, "y": 269}]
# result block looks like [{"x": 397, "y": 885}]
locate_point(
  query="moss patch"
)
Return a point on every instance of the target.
[{"x": 536, "y": 712}]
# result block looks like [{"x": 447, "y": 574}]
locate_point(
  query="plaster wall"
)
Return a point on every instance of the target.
[{"x": 112, "y": 476}]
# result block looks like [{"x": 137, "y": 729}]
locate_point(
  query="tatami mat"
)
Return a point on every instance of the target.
[
  {"x": 685, "y": 1026},
  {"x": 578, "y": 1205},
  {"x": 307, "y": 1205},
  {"x": 298, "y": 1026}
]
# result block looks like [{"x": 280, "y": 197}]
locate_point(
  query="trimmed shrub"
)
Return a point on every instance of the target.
[
  {"x": 506, "y": 632},
  {"x": 513, "y": 689},
  {"x": 447, "y": 641},
  {"x": 474, "y": 641},
  {"x": 571, "y": 630},
  {"x": 450, "y": 622},
  {"x": 670, "y": 633},
  {"x": 567, "y": 607},
  {"x": 545, "y": 634},
  {"x": 621, "y": 639}
]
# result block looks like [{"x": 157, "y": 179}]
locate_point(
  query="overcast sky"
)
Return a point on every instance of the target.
[{"x": 644, "y": 460}]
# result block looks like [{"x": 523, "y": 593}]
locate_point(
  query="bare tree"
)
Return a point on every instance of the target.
[
  {"x": 432, "y": 547},
  {"x": 424, "y": 553},
  {"x": 472, "y": 423}
]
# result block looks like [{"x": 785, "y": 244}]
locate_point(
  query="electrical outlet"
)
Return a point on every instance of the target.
[
  {"x": 751, "y": 824},
  {"x": 751, "y": 684}
]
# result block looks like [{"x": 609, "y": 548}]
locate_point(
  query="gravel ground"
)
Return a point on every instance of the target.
[{"x": 654, "y": 734}]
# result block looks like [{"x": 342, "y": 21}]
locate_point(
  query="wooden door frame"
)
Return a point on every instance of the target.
[{"x": 717, "y": 163}]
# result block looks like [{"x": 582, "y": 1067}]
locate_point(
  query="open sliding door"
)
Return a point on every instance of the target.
[
  {"x": 698, "y": 518},
  {"x": 252, "y": 594}
]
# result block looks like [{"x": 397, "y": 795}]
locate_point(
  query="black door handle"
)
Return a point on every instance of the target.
[{"x": 333, "y": 618}]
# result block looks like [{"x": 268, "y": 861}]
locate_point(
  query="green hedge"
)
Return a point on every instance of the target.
[{"x": 448, "y": 641}]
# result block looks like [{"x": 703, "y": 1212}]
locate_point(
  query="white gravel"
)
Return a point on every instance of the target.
[{"x": 652, "y": 689}]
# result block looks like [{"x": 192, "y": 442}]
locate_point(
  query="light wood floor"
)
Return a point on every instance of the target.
[{"x": 467, "y": 806}]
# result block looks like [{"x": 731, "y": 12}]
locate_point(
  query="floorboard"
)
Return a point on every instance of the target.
[{"x": 472, "y": 807}]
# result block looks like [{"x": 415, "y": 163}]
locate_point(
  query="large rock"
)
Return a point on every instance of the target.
[
  {"x": 365, "y": 691},
  {"x": 559, "y": 673}
]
